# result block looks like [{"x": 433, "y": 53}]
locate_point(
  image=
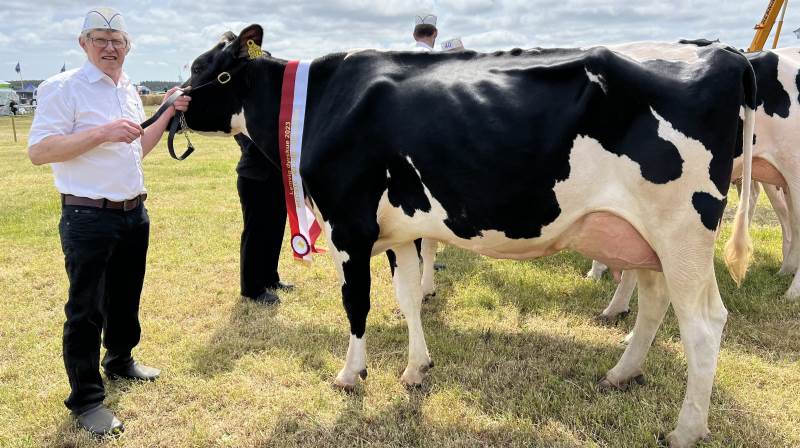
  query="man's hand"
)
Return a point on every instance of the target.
[
  {"x": 181, "y": 103},
  {"x": 122, "y": 130},
  {"x": 154, "y": 132}
]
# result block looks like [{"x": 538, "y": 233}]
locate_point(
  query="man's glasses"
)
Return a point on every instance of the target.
[{"x": 100, "y": 42}]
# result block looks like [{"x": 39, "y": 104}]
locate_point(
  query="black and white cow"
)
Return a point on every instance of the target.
[
  {"x": 502, "y": 154},
  {"x": 776, "y": 164}
]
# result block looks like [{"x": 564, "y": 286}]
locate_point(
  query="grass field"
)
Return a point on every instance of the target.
[{"x": 516, "y": 348}]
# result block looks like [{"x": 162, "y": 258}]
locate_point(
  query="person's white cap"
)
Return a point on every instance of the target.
[
  {"x": 454, "y": 44},
  {"x": 104, "y": 18},
  {"x": 428, "y": 19}
]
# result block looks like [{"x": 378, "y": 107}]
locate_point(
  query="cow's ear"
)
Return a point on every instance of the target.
[
  {"x": 227, "y": 37},
  {"x": 252, "y": 33}
]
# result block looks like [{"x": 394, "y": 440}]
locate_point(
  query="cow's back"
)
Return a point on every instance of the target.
[{"x": 487, "y": 138}]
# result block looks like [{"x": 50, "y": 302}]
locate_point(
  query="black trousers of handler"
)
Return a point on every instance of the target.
[
  {"x": 264, "y": 214},
  {"x": 104, "y": 253}
]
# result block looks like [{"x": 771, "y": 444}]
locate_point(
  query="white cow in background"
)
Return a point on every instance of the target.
[{"x": 776, "y": 165}]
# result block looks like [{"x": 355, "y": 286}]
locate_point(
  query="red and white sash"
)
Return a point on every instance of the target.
[{"x": 304, "y": 226}]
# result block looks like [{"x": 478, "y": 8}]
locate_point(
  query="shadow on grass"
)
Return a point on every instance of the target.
[{"x": 538, "y": 389}]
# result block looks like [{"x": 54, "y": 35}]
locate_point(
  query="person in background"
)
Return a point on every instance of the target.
[
  {"x": 87, "y": 128},
  {"x": 261, "y": 195},
  {"x": 425, "y": 33}
]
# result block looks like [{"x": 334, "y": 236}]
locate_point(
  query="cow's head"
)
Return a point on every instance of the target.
[{"x": 218, "y": 81}]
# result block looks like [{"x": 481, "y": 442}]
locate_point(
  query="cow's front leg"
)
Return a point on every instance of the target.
[
  {"x": 407, "y": 287},
  {"x": 355, "y": 296}
]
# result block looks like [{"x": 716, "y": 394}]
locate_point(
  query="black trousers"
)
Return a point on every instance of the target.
[
  {"x": 104, "y": 254},
  {"x": 264, "y": 215}
]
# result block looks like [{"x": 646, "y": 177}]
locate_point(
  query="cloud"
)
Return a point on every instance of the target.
[{"x": 175, "y": 32}]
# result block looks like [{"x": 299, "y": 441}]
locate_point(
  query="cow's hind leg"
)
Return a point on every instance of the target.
[
  {"x": 406, "y": 280},
  {"x": 701, "y": 317},
  {"x": 352, "y": 262},
  {"x": 653, "y": 304}
]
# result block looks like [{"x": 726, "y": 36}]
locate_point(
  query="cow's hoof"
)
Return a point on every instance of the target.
[
  {"x": 612, "y": 319},
  {"x": 346, "y": 380},
  {"x": 413, "y": 377},
  {"x": 344, "y": 387},
  {"x": 428, "y": 296},
  {"x": 792, "y": 295},
  {"x": 674, "y": 440},
  {"x": 607, "y": 384}
]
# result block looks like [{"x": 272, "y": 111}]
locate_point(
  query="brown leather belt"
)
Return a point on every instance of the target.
[{"x": 127, "y": 205}]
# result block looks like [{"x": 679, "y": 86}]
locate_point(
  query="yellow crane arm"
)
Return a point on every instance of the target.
[{"x": 765, "y": 26}]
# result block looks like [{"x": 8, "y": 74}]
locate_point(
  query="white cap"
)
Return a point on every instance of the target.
[
  {"x": 428, "y": 19},
  {"x": 454, "y": 44},
  {"x": 104, "y": 19}
]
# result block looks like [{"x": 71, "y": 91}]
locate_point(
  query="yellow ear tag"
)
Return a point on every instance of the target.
[{"x": 253, "y": 50}]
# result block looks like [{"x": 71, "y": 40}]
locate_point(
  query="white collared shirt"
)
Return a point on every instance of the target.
[
  {"x": 81, "y": 99},
  {"x": 422, "y": 47}
]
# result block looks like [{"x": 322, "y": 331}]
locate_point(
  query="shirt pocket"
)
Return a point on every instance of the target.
[{"x": 133, "y": 108}]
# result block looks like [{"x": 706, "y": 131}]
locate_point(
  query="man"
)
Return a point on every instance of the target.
[
  {"x": 87, "y": 128},
  {"x": 260, "y": 186},
  {"x": 425, "y": 33}
]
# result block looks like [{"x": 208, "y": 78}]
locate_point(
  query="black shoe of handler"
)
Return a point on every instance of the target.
[
  {"x": 134, "y": 371},
  {"x": 100, "y": 421},
  {"x": 281, "y": 286},
  {"x": 267, "y": 297}
]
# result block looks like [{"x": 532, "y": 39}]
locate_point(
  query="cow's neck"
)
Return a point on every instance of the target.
[{"x": 261, "y": 103}]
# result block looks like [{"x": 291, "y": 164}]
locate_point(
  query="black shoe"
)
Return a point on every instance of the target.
[
  {"x": 134, "y": 371},
  {"x": 100, "y": 421},
  {"x": 281, "y": 286},
  {"x": 267, "y": 297}
]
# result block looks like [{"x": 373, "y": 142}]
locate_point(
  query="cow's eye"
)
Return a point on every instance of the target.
[{"x": 195, "y": 70}]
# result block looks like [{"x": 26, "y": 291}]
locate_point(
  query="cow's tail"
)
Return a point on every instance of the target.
[{"x": 739, "y": 247}]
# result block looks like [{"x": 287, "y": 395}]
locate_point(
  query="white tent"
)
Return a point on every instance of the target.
[{"x": 7, "y": 94}]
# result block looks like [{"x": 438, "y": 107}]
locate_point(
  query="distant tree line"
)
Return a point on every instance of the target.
[
  {"x": 155, "y": 86},
  {"x": 159, "y": 86},
  {"x": 17, "y": 85}
]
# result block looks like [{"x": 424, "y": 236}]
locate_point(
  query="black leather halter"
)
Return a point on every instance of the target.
[{"x": 178, "y": 122}]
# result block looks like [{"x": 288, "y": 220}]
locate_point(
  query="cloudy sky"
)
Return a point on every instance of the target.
[{"x": 42, "y": 34}]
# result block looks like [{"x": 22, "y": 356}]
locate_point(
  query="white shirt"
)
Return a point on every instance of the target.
[
  {"x": 422, "y": 47},
  {"x": 81, "y": 99}
]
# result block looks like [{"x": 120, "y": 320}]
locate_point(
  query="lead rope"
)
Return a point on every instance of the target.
[{"x": 178, "y": 124}]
